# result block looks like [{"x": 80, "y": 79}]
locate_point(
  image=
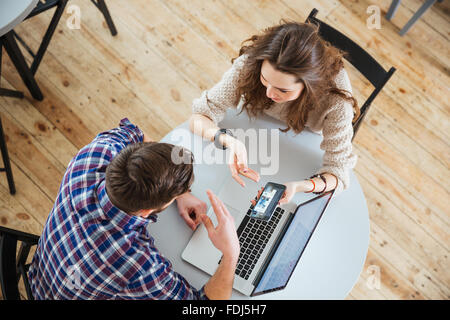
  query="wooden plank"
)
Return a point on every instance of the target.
[
  {"x": 392, "y": 109},
  {"x": 392, "y": 284},
  {"x": 28, "y": 154},
  {"x": 45, "y": 132},
  {"x": 418, "y": 64},
  {"x": 14, "y": 216},
  {"x": 303, "y": 8},
  {"x": 426, "y": 41},
  {"x": 433, "y": 22},
  {"x": 30, "y": 196},
  {"x": 404, "y": 173},
  {"x": 419, "y": 277},
  {"x": 442, "y": 9},
  {"x": 436, "y": 17},
  {"x": 363, "y": 289},
  {"x": 262, "y": 14},
  {"x": 177, "y": 35},
  {"x": 205, "y": 16},
  {"x": 402, "y": 198},
  {"x": 405, "y": 143},
  {"x": 428, "y": 108},
  {"x": 140, "y": 73},
  {"x": 171, "y": 45},
  {"x": 409, "y": 235},
  {"x": 77, "y": 98},
  {"x": 55, "y": 107},
  {"x": 115, "y": 102}
]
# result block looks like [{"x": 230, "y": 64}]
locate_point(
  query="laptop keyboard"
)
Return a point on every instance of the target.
[{"x": 253, "y": 236}]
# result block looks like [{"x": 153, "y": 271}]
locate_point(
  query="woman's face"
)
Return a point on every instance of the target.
[{"x": 280, "y": 87}]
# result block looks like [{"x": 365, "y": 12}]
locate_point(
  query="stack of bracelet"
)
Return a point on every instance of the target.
[{"x": 324, "y": 181}]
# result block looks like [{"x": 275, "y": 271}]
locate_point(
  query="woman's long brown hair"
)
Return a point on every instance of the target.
[{"x": 297, "y": 49}]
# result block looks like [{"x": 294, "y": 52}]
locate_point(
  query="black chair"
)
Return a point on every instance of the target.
[
  {"x": 8, "y": 41},
  {"x": 6, "y": 162},
  {"x": 13, "y": 266},
  {"x": 101, "y": 5},
  {"x": 359, "y": 58}
]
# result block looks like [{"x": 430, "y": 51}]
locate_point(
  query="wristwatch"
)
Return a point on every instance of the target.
[{"x": 218, "y": 134}]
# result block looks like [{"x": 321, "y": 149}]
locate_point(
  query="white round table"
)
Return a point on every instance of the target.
[
  {"x": 335, "y": 255},
  {"x": 12, "y": 12}
]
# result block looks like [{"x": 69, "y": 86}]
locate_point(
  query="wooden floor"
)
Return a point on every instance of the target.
[{"x": 168, "y": 52}]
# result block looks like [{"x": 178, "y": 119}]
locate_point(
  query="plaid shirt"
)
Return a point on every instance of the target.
[{"x": 90, "y": 249}]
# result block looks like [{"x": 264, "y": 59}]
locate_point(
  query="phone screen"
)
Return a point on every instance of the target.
[{"x": 268, "y": 201}]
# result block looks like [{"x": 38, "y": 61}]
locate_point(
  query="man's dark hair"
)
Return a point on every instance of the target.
[{"x": 144, "y": 176}]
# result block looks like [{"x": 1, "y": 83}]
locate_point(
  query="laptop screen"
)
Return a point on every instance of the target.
[{"x": 292, "y": 245}]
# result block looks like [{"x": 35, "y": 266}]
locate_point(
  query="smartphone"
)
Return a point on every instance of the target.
[{"x": 268, "y": 201}]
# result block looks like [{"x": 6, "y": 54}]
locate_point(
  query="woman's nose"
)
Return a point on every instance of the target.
[{"x": 270, "y": 92}]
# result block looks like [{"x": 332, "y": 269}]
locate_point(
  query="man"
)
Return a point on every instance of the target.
[{"x": 95, "y": 243}]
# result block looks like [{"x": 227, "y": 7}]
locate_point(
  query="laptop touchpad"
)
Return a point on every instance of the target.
[{"x": 235, "y": 196}]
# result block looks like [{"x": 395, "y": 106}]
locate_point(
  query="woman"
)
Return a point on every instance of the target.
[{"x": 290, "y": 73}]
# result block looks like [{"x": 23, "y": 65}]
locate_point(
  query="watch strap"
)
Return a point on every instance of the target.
[{"x": 218, "y": 134}]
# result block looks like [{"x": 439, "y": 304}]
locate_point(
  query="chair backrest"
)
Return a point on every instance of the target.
[
  {"x": 13, "y": 266},
  {"x": 358, "y": 57},
  {"x": 5, "y": 157}
]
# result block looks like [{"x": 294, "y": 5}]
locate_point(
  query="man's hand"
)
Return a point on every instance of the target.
[
  {"x": 224, "y": 236},
  {"x": 191, "y": 209}
]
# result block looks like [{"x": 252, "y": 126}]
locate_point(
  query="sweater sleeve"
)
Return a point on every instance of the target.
[
  {"x": 214, "y": 102},
  {"x": 337, "y": 132}
]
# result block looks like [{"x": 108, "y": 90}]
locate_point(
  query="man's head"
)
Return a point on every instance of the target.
[{"x": 143, "y": 179}]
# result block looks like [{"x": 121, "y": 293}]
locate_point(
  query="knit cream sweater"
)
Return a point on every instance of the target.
[{"x": 333, "y": 121}]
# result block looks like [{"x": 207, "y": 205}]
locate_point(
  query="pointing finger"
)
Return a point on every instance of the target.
[
  {"x": 216, "y": 206},
  {"x": 208, "y": 223}
]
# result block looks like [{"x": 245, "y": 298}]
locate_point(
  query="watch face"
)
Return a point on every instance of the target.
[
  {"x": 228, "y": 132},
  {"x": 216, "y": 138}
]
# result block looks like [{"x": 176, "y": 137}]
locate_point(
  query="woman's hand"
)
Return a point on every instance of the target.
[
  {"x": 303, "y": 186},
  {"x": 291, "y": 189},
  {"x": 238, "y": 160},
  {"x": 257, "y": 196}
]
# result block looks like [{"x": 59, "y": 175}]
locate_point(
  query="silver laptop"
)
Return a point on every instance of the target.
[{"x": 270, "y": 249}]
